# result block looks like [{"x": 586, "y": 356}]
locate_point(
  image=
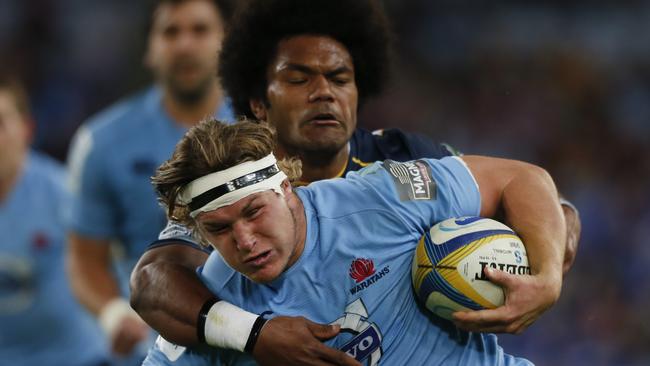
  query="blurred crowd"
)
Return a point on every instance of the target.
[{"x": 563, "y": 86}]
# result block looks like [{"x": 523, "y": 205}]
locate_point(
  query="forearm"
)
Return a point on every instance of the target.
[
  {"x": 531, "y": 206},
  {"x": 169, "y": 296},
  {"x": 573, "y": 229},
  {"x": 527, "y": 197},
  {"x": 88, "y": 267}
]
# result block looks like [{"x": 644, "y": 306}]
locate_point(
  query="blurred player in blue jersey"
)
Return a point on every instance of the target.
[
  {"x": 295, "y": 252},
  {"x": 115, "y": 153},
  {"x": 42, "y": 323},
  {"x": 307, "y": 77}
]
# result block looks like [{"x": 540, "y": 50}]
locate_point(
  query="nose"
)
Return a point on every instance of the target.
[
  {"x": 322, "y": 90},
  {"x": 243, "y": 236},
  {"x": 184, "y": 42}
]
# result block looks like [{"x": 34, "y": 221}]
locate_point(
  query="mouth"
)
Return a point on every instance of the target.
[
  {"x": 324, "y": 120},
  {"x": 259, "y": 259},
  {"x": 186, "y": 67}
]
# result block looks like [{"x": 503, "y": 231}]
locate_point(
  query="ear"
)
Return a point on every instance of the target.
[
  {"x": 147, "y": 59},
  {"x": 30, "y": 129},
  {"x": 258, "y": 107},
  {"x": 286, "y": 187}
]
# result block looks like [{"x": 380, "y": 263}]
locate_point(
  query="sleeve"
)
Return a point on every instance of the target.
[
  {"x": 403, "y": 146},
  {"x": 176, "y": 233},
  {"x": 423, "y": 192},
  {"x": 92, "y": 204}
]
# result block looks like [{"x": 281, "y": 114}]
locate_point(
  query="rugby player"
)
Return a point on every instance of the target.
[
  {"x": 290, "y": 252},
  {"x": 308, "y": 79}
]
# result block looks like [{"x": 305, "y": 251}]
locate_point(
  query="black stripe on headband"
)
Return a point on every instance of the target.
[{"x": 235, "y": 184}]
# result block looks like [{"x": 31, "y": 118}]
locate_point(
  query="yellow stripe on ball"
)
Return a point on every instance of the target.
[{"x": 422, "y": 265}]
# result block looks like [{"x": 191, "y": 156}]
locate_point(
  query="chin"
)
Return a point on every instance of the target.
[
  {"x": 190, "y": 92},
  {"x": 263, "y": 276},
  {"x": 325, "y": 146}
]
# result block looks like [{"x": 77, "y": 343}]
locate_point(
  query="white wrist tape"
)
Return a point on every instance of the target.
[
  {"x": 112, "y": 314},
  {"x": 228, "y": 326}
]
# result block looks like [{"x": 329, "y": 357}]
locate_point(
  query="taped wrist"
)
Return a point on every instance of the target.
[
  {"x": 224, "y": 325},
  {"x": 111, "y": 315},
  {"x": 255, "y": 333}
]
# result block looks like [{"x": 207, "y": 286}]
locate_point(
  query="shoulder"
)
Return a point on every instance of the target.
[
  {"x": 355, "y": 193},
  {"x": 401, "y": 145},
  {"x": 46, "y": 168},
  {"x": 110, "y": 126},
  {"x": 45, "y": 177},
  {"x": 125, "y": 115},
  {"x": 407, "y": 180},
  {"x": 396, "y": 144}
]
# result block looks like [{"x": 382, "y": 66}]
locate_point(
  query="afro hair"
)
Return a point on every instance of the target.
[{"x": 258, "y": 26}]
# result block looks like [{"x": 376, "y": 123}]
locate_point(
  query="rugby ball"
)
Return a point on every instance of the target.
[{"x": 448, "y": 265}]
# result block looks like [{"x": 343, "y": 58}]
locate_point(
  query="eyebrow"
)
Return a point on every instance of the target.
[
  {"x": 219, "y": 225},
  {"x": 312, "y": 71},
  {"x": 249, "y": 204}
]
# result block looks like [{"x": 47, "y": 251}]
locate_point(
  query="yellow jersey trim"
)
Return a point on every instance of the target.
[{"x": 362, "y": 163}]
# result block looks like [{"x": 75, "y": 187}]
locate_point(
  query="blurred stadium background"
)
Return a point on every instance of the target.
[{"x": 565, "y": 84}]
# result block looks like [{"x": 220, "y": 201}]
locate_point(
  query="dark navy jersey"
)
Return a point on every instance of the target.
[{"x": 394, "y": 144}]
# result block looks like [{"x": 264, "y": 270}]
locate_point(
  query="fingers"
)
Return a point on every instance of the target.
[
  {"x": 501, "y": 278},
  {"x": 492, "y": 321},
  {"x": 480, "y": 320},
  {"x": 323, "y": 332},
  {"x": 332, "y": 356},
  {"x": 298, "y": 341}
]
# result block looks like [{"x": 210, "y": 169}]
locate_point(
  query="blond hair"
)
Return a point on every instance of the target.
[{"x": 212, "y": 146}]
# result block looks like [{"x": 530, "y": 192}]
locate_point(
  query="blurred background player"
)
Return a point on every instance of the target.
[
  {"x": 308, "y": 79},
  {"x": 114, "y": 154},
  {"x": 42, "y": 323}
]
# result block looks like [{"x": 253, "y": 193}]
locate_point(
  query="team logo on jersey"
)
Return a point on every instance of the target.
[
  {"x": 363, "y": 272},
  {"x": 366, "y": 342},
  {"x": 361, "y": 268},
  {"x": 413, "y": 179},
  {"x": 40, "y": 241}
]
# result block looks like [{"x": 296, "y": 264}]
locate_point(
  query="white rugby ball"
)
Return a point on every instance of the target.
[{"x": 448, "y": 265}]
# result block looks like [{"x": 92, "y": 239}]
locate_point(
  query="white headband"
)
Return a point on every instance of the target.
[{"x": 226, "y": 187}]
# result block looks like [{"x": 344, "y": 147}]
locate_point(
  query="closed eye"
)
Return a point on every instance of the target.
[
  {"x": 297, "y": 81},
  {"x": 216, "y": 229},
  {"x": 341, "y": 81},
  {"x": 253, "y": 212}
]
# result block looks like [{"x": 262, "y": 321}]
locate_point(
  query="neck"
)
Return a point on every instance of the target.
[
  {"x": 300, "y": 223},
  {"x": 189, "y": 114},
  {"x": 319, "y": 166},
  {"x": 8, "y": 180}
]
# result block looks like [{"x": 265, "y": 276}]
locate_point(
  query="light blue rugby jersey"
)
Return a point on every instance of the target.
[
  {"x": 112, "y": 159},
  {"x": 41, "y": 322},
  {"x": 356, "y": 269}
]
